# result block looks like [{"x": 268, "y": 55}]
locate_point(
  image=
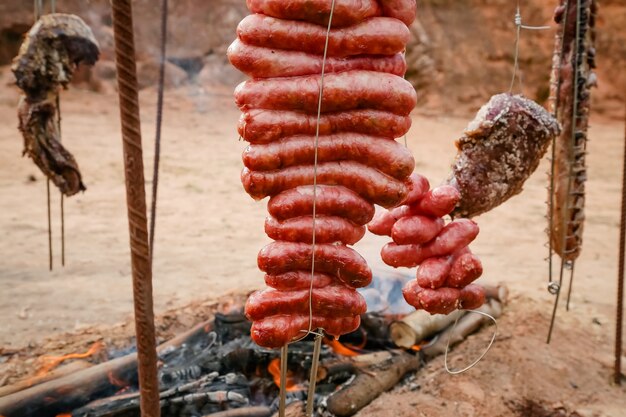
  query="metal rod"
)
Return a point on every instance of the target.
[
  {"x": 136, "y": 205},
  {"x": 310, "y": 400},
  {"x": 58, "y": 104},
  {"x": 49, "y": 225},
  {"x": 620, "y": 278},
  {"x": 571, "y": 283},
  {"x": 284, "y": 353}
]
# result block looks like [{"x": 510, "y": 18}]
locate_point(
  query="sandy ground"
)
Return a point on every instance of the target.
[{"x": 209, "y": 232}]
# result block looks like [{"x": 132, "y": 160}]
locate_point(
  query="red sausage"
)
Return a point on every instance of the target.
[
  {"x": 259, "y": 62},
  {"x": 388, "y": 156},
  {"x": 442, "y": 300},
  {"x": 330, "y": 201},
  {"x": 418, "y": 187},
  {"x": 465, "y": 270},
  {"x": 411, "y": 292},
  {"x": 438, "y": 202},
  {"x": 329, "y": 301},
  {"x": 454, "y": 236},
  {"x": 342, "y": 91},
  {"x": 374, "y": 36},
  {"x": 276, "y": 331},
  {"x": 263, "y": 126},
  {"x": 338, "y": 260},
  {"x": 433, "y": 272},
  {"x": 403, "y": 10},
  {"x": 383, "y": 221},
  {"x": 345, "y": 12},
  {"x": 327, "y": 230},
  {"x": 416, "y": 229},
  {"x": 297, "y": 280},
  {"x": 374, "y": 186},
  {"x": 472, "y": 296}
]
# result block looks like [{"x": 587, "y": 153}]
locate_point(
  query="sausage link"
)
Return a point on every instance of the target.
[
  {"x": 388, "y": 156},
  {"x": 329, "y": 201},
  {"x": 416, "y": 229},
  {"x": 276, "y": 331},
  {"x": 327, "y": 230},
  {"x": 297, "y": 280},
  {"x": 442, "y": 300},
  {"x": 454, "y": 236},
  {"x": 403, "y": 10},
  {"x": 472, "y": 296},
  {"x": 383, "y": 221},
  {"x": 259, "y": 62},
  {"x": 349, "y": 90},
  {"x": 374, "y": 186},
  {"x": 466, "y": 268},
  {"x": 337, "y": 260},
  {"x": 433, "y": 272},
  {"x": 418, "y": 187},
  {"x": 329, "y": 301},
  {"x": 345, "y": 12},
  {"x": 263, "y": 126},
  {"x": 438, "y": 202},
  {"x": 374, "y": 36}
]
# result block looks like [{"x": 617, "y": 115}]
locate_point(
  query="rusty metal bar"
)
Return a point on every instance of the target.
[
  {"x": 620, "y": 278},
  {"x": 136, "y": 204}
]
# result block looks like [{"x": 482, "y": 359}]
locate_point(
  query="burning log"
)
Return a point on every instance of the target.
[
  {"x": 367, "y": 386},
  {"x": 50, "y": 54},
  {"x": 420, "y": 325},
  {"x": 73, "y": 390},
  {"x": 70, "y": 368},
  {"x": 259, "y": 411},
  {"x": 467, "y": 325}
]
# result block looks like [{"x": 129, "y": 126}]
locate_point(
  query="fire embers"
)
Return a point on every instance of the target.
[
  {"x": 365, "y": 105},
  {"x": 421, "y": 238},
  {"x": 50, "y": 54}
]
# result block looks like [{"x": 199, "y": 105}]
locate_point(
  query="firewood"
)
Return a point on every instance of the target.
[
  {"x": 259, "y": 411},
  {"x": 36, "y": 380},
  {"x": 367, "y": 386},
  {"x": 74, "y": 390},
  {"x": 293, "y": 409},
  {"x": 418, "y": 326},
  {"x": 467, "y": 325}
]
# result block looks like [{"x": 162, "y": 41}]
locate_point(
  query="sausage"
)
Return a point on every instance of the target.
[
  {"x": 337, "y": 260},
  {"x": 442, "y": 300},
  {"x": 472, "y": 296},
  {"x": 345, "y": 12},
  {"x": 259, "y": 62},
  {"x": 330, "y": 301},
  {"x": 343, "y": 91},
  {"x": 403, "y": 10},
  {"x": 416, "y": 229},
  {"x": 374, "y": 36},
  {"x": 329, "y": 201},
  {"x": 454, "y": 236},
  {"x": 328, "y": 229},
  {"x": 372, "y": 185},
  {"x": 297, "y": 280},
  {"x": 276, "y": 331},
  {"x": 466, "y": 268},
  {"x": 263, "y": 126},
  {"x": 383, "y": 221},
  {"x": 418, "y": 186},
  {"x": 433, "y": 272},
  {"x": 388, "y": 156},
  {"x": 438, "y": 202}
]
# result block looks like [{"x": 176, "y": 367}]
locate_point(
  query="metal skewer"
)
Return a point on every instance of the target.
[
  {"x": 284, "y": 353},
  {"x": 310, "y": 399}
]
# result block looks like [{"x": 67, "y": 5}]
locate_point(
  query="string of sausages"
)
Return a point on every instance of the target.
[
  {"x": 421, "y": 238},
  {"x": 335, "y": 165}
]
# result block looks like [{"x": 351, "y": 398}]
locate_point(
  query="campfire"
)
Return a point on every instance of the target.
[{"x": 216, "y": 369}]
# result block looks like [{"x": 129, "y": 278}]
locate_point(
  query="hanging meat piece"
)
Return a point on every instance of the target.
[
  {"x": 47, "y": 59},
  {"x": 572, "y": 78},
  {"x": 499, "y": 150}
]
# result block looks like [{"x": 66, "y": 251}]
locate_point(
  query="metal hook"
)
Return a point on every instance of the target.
[{"x": 471, "y": 365}]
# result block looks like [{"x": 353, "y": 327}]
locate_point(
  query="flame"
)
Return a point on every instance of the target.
[
  {"x": 51, "y": 362},
  {"x": 341, "y": 349},
  {"x": 62, "y": 415},
  {"x": 416, "y": 348},
  {"x": 274, "y": 369}
]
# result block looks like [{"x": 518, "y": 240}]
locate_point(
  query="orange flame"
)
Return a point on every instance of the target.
[
  {"x": 274, "y": 369},
  {"x": 51, "y": 362},
  {"x": 63, "y": 415},
  {"x": 339, "y": 348},
  {"x": 416, "y": 348}
]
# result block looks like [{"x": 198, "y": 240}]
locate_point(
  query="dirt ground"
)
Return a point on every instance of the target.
[{"x": 209, "y": 232}]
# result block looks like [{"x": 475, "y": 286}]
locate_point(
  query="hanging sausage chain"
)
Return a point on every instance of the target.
[{"x": 322, "y": 171}]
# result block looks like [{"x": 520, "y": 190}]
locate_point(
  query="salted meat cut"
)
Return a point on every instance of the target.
[
  {"x": 323, "y": 175},
  {"x": 446, "y": 266}
]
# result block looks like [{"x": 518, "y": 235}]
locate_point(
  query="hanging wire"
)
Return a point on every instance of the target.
[
  {"x": 518, "y": 27},
  {"x": 475, "y": 362},
  {"x": 159, "y": 120}
]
